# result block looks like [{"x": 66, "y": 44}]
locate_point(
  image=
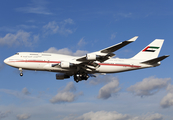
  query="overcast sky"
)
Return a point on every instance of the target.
[{"x": 75, "y": 28}]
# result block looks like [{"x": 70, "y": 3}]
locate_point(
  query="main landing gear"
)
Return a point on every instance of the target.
[
  {"x": 21, "y": 72},
  {"x": 80, "y": 76}
]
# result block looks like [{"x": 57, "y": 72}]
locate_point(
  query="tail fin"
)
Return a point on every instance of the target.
[{"x": 151, "y": 51}]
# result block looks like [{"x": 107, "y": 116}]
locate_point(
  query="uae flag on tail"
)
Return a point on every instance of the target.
[{"x": 150, "y": 49}]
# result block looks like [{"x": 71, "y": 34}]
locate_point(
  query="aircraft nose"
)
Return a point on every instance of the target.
[{"x": 6, "y": 61}]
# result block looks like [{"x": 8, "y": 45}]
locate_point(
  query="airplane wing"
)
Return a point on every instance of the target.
[
  {"x": 89, "y": 62},
  {"x": 106, "y": 53},
  {"x": 118, "y": 46}
]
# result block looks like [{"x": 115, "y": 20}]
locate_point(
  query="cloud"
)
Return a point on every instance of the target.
[
  {"x": 25, "y": 91},
  {"x": 66, "y": 51},
  {"x": 104, "y": 115},
  {"x": 11, "y": 92},
  {"x": 110, "y": 88},
  {"x": 170, "y": 88},
  {"x": 101, "y": 79},
  {"x": 149, "y": 86},
  {"x": 125, "y": 15},
  {"x": 23, "y": 116},
  {"x": 149, "y": 116},
  {"x": 7, "y": 29},
  {"x": 36, "y": 7},
  {"x": 4, "y": 114},
  {"x": 24, "y": 94},
  {"x": 20, "y": 38},
  {"x": 167, "y": 100},
  {"x": 66, "y": 95},
  {"x": 114, "y": 115},
  {"x": 70, "y": 87},
  {"x": 68, "y": 21},
  {"x": 26, "y": 26},
  {"x": 51, "y": 27},
  {"x": 80, "y": 53},
  {"x": 17, "y": 28},
  {"x": 81, "y": 42},
  {"x": 54, "y": 27}
]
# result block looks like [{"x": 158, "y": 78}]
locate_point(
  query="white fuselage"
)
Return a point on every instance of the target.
[
  {"x": 83, "y": 67},
  {"x": 44, "y": 62}
]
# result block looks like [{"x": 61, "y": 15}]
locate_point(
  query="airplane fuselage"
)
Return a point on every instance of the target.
[
  {"x": 83, "y": 67},
  {"x": 44, "y": 62}
]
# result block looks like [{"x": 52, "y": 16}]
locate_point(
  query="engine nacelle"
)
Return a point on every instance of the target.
[
  {"x": 62, "y": 76},
  {"x": 65, "y": 65},
  {"x": 92, "y": 56}
]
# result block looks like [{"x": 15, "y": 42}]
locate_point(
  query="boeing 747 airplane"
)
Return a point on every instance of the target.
[{"x": 83, "y": 67}]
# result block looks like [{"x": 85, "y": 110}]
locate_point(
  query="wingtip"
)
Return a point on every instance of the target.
[
  {"x": 133, "y": 39},
  {"x": 167, "y": 55}
]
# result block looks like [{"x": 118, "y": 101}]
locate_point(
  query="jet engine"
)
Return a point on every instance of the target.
[
  {"x": 65, "y": 65},
  {"x": 92, "y": 56},
  {"x": 61, "y": 76}
]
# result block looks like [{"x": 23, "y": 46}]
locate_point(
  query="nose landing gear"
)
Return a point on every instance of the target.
[{"x": 21, "y": 72}]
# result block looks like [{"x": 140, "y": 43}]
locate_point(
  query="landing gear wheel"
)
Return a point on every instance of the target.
[
  {"x": 80, "y": 76},
  {"x": 76, "y": 78},
  {"x": 21, "y": 74}
]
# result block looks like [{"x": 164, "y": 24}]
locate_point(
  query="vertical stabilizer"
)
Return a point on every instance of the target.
[{"x": 151, "y": 51}]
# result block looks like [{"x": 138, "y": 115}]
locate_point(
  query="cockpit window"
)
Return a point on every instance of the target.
[{"x": 17, "y": 54}]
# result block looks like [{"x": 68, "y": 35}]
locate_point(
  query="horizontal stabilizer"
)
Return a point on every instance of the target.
[{"x": 155, "y": 60}]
